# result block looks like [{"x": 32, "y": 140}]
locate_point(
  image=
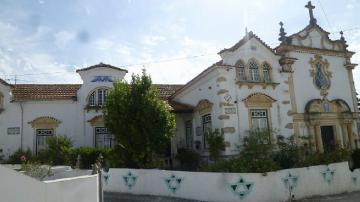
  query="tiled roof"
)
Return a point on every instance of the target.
[
  {"x": 27, "y": 92},
  {"x": 37, "y": 92},
  {"x": 166, "y": 90},
  {"x": 101, "y": 65},
  {"x": 178, "y": 107},
  {"x": 245, "y": 39}
]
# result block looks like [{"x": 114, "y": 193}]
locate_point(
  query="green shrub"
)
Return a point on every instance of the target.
[
  {"x": 57, "y": 151},
  {"x": 15, "y": 158},
  {"x": 216, "y": 143},
  {"x": 1, "y": 155},
  {"x": 89, "y": 155},
  {"x": 189, "y": 159},
  {"x": 289, "y": 154},
  {"x": 338, "y": 155}
]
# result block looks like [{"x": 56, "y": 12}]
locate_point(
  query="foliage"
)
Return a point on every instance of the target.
[
  {"x": 216, "y": 143},
  {"x": 189, "y": 159},
  {"x": 338, "y": 155},
  {"x": 140, "y": 121},
  {"x": 34, "y": 169},
  {"x": 88, "y": 155},
  {"x": 15, "y": 158},
  {"x": 289, "y": 154},
  {"x": 256, "y": 155},
  {"x": 1, "y": 155},
  {"x": 57, "y": 151}
]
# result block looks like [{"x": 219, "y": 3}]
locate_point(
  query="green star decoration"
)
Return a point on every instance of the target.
[
  {"x": 328, "y": 175},
  {"x": 241, "y": 188},
  {"x": 354, "y": 177},
  {"x": 130, "y": 180},
  {"x": 106, "y": 178},
  {"x": 290, "y": 181},
  {"x": 173, "y": 183}
]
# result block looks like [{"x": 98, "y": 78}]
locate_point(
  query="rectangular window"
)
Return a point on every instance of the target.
[
  {"x": 100, "y": 97},
  {"x": 206, "y": 127},
  {"x": 242, "y": 74},
  {"x": 188, "y": 134},
  {"x": 266, "y": 75},
  {"x": 41, "y": 137},
  {"x": 254, "y": 73},
  {"x": 103, "y": 139},
  {"x": 259, "y": 119},
  {"x": 92, "y": 99}
]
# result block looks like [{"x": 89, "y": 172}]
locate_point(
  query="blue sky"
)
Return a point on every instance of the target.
[{"x": 44, "y": 41}]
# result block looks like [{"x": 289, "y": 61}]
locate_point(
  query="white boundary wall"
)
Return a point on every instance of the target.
[
  {"x": 207, "y": 186},
  {"x": 17, "y": 187}
]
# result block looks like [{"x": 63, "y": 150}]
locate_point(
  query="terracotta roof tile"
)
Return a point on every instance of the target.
[
  {"x": 166, "y": 90},
  {"x": 28, "y": 92},
  {"x": 37, "y": 92},
  {"x": 101, "y": 65}
]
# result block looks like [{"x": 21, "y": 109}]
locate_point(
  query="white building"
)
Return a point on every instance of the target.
[{"x": 303, "y": 87}]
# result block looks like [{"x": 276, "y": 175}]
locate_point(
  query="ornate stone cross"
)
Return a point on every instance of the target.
[{"x": 311, "y": 7}]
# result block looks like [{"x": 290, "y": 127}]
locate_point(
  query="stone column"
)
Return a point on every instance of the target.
[
  {"x": 319, "y": 143},
  {"x": 350, "y": 135},
  {"x": 345, "y": 135}
]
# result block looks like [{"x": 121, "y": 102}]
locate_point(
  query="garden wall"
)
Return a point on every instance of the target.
[
  {"x": 17, "y": 187},
  {"x": 274, "y": 186}
]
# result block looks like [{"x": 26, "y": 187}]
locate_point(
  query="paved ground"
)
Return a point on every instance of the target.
[
  {"x": 347, "y": 197},
  {"x": 112, "y": 197}
]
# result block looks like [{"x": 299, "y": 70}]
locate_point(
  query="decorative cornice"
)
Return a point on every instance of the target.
[
  {"x": 251, "y": 84},
  {"x": 287, "y": 48}
]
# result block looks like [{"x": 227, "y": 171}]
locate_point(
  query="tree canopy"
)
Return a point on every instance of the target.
[{"x": 140, "y": 121}]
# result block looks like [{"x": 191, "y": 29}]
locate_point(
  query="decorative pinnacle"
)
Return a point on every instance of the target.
[
  {"x": 282, "y": 33},
  {"x": 311, "y": 14},
  {"x": 342, "y": 36}
]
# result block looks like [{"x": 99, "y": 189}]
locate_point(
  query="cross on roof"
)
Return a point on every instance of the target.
[{"x": 311, "y": 7}]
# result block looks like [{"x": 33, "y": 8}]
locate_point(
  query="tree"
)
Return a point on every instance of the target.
[
  {"x": 216, "y": 143},
  {"x": 140, "y": 121}
]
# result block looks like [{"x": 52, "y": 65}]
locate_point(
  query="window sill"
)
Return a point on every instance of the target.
[
  {"x": 251, "y": 84},
  {"x": 95, "y": 108}
]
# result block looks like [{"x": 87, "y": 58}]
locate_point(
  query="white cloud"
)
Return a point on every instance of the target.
[
  {"x": 104, "y": 44},
  {"x": 152, "y": 40},
  {"x": 62, "y": 38}
]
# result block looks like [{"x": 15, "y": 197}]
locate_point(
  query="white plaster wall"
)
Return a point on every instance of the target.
[
  {"x": 215, "y": 186},
  {"x": 207, "y": 88},
  {"x": 305, "y": 88},
  {"x": 10, "y": 117},
  {"x": 72, "y": 114},
  {"x": 17, "y": 187}
]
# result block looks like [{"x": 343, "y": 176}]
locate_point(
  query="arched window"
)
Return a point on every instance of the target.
[
  {"x": 254, "y": 71},
  {"x": 240, "y": 71},
  {"x": 97, "y": 97},
  {"x": 266, "y": 72}
]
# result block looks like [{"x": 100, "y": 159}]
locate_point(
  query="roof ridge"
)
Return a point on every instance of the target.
[
  {"x": 101, "y": 65},
  {"x": 245, "y": 39}
]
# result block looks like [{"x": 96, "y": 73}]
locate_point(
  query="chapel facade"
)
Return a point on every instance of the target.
[{"x": 303, "y": 87}]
